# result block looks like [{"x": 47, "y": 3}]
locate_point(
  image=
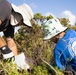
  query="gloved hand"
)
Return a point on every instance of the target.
[
  {"x": 21, "y": 61},
  {"x": 69, "y": 73}
]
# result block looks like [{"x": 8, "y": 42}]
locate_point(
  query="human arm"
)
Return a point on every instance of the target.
[
  {"x": 9, "y": 34},
  {"x": 12, "y": 45},
  {"x": 57, "y": 60},
  {"x": 6, "y": 52},
  {"x": 19, "y": 58}
]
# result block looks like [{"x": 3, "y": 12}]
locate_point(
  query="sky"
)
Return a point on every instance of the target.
[{"x": 59, "y": 8}]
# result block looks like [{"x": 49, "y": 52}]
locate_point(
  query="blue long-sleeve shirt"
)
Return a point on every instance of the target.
[{"x": 65, "y": 50}]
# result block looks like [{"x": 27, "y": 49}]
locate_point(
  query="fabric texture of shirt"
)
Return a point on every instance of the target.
[
  {"x": 5, "y": 11},
  {"x": 65, "y": 50}
]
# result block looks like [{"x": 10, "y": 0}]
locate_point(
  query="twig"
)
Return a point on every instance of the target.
[{"x": 50, "y": 66}]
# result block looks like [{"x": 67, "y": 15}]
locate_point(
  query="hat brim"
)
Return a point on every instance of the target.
[
  {"x": 17, "y": 15},
  {"x": 49, "y": 36}
]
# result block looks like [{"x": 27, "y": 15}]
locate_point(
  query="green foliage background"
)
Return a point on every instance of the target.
[{"x": 30, "y": 41}]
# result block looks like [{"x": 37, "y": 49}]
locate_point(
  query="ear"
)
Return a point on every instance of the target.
[{"x": 61, "y": 34}]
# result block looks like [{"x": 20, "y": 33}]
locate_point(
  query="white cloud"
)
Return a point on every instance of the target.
[
  {"x": 33, "y": 5},
  {"x": 70, "y": 16}
]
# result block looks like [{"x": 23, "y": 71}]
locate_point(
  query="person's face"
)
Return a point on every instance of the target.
[
  {"x": 21, "y": 22},
  {"x": 55, "y": 39}
]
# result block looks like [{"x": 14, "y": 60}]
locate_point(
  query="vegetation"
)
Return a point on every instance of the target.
[{"x": 30, "y": 41}]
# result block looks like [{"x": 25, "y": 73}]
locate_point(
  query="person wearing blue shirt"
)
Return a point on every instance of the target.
[{"x": 65, "y": 39}]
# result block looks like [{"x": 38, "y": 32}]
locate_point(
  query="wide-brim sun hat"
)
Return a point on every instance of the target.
[
  {"x": 52, "y": 27},
  {"x": 21, "y": 12}
]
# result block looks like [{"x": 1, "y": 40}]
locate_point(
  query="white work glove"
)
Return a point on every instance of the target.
[{"x": 21, "y": 61}]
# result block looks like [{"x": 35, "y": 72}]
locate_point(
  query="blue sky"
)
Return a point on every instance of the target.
[
  {"x": 59, "y": 8},
  {"x": 45, "y": 6}
]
